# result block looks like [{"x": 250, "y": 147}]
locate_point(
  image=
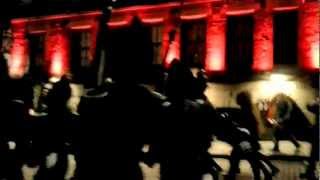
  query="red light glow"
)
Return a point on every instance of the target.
[
  {"x": 57, "y": 43},
  {"x": 141, "y": 8},
  {"x": 81, "y": 27},
  {"x": 120, "y": 21},
  {"x": 216, "y": 44},
  {"x": 170, "y": 50},
  {"x": 60, "y": 17},
  {"x": 118, "y": 24},
  {"x": 152, "y": 20},
  {"x": 94, "y": 33},
  {"x": 56, "y": 68},
  {"x": 285, "y": 8},
  {"x": 173, "y": 53},
  {"x": 57, "y": 52},
  {"x": 263, "y": 42},
  {"x": 240, "y": 12},
  {"x": 18, "y": 60},
  {"x": 193, "y": 16},
  {"x": 309, "y": 35}
]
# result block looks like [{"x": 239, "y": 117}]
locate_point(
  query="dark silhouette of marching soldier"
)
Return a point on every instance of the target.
[
  {"x": 21, "y": 95},
  {"x": 247, "y": 119},
  {"x": 59, "y": 116},
  {"x": 9, "y": 160},
  {"x": 118, "y": 116},
  {"x": 245, "y": 146},
  {"x": 244, "y": 139},
  {"x": 184, "y": 143},
  {"x": 314, "y": 158}
]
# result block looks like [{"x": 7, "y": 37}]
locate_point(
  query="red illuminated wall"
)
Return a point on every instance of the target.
[
  {"x": 19, "y": 51},
  {"x": 216, "y": 12},
  {"x": 94, "y": 33},
  {"x": 170, "y": 50},
  {"x": 57, "y": 51},
  {"x": 263, "y": 42},
  {"x": 309, "y": 36},
  {"x": 216, "y": 42}
]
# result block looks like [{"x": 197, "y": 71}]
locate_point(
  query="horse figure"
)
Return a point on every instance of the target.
[{"x": 287, "y": 120}]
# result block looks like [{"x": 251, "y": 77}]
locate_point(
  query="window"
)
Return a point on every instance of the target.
[
  {"x": 156, "y": 41},
  {"x": 239, "y": 45},
  {"x": 80, "y": 55},
  {"x": 285, "y": 38},
  {"x": 37, "y": 68},
  {"x": 130, "y": 52},
  {"x": 193, "y": 37}
]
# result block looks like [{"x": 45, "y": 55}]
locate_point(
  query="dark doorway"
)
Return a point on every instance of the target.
[
  {"x": 239, "y": 45},
  {"x": 80, "y": 57},
  {"x": 193, "y": 43},
  {"x": 285, "y": 37},
  {"x": 130, "y": 53},
  {"x": 75, "y": 61},
  {"x": 37, "y": 69}
]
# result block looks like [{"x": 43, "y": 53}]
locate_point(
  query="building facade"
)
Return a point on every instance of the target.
[
  {"x": 211, "y": 18},
  {"x": 237, "y": 37}
]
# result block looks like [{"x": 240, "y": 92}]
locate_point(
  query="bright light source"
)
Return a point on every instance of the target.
[
  {"x": 216, "y": 44},
  {"x": 279, "y": 77},
  {"x": 271, "y": 88},
  {"x": 56, "y": 67},
  {"x": 57, "y": 53},
  {"x": 54, "y": 79},
  {"x": 315, "y": 56},
  {"x": 18, "y": 58},
  {"x": 279, "y": 83},
  {"x": 173, "y": 53}
]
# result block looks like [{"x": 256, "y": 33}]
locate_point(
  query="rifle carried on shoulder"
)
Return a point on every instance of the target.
[{"x": 100, "y": 55}]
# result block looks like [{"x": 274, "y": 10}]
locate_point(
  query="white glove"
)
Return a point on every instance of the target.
[{"x": 51, "y": 160}]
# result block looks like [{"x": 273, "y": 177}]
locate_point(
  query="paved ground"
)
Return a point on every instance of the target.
[
  {"x": 289, "y": 170},
  {"x": 289, "y": 160}
]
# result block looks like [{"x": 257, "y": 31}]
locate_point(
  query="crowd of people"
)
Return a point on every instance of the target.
[{"x": 114, "y": 122}]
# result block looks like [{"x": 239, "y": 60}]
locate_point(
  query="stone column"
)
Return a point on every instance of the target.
[
  {"x": 18, "y": 61},
  {"x": 57, "y": 51},
  {"x": 216, "y": 41},
  {"x": 308, "y": 38},
  {"x": 263, "y": 42}
]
